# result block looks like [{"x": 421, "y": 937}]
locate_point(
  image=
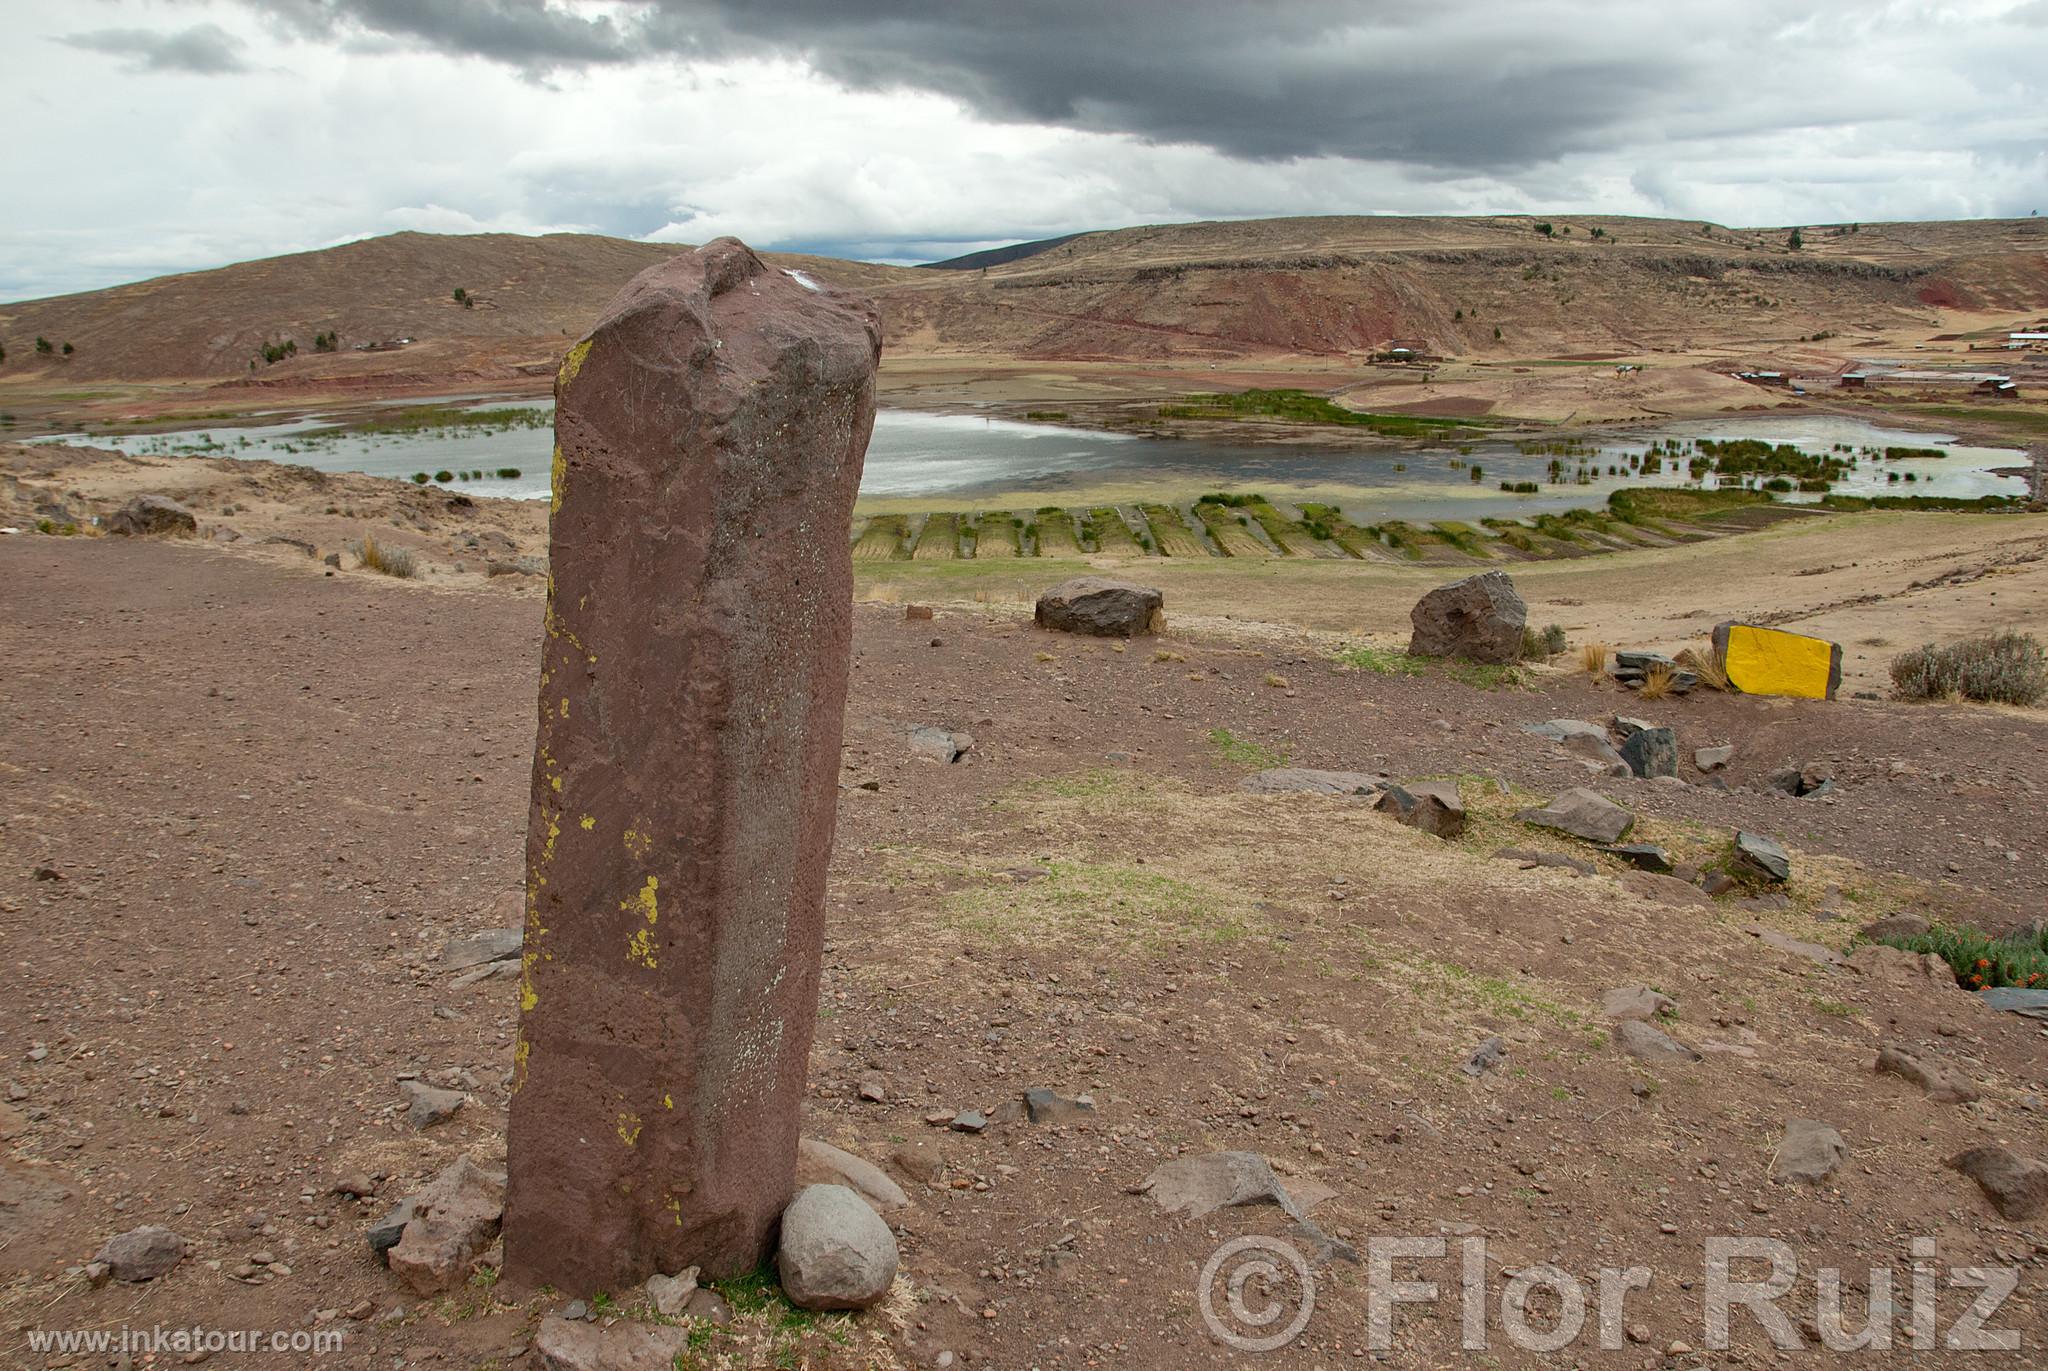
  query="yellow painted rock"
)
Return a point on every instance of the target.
[{"x": 1769, "y": 661}]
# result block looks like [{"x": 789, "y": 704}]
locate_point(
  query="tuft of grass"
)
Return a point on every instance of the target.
[
  {"x": 1244, "y": 752},
  {"x": 385, "y": 561},
  {"x": 1980, "y": 960},
  {"x": 1997, "y": 668},
  {"x": 1657, "y": 683},
  {"x": 1705, "y": 664},
  {"x": 1593, "y": 658},
  {"x": 1276, "y": 680},
  {"x": 1381, "y": 661}
]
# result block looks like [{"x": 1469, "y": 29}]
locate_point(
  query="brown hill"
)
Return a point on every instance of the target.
[{"x": 1310, "y": 287}]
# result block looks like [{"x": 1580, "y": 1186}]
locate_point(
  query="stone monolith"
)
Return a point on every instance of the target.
[{"x": 709, "y": 437}]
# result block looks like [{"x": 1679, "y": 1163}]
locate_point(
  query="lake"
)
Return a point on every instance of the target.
[{"x": 944, "y": 461}]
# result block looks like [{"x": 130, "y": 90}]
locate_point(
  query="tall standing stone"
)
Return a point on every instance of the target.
[{"x": 709, "y": 438}]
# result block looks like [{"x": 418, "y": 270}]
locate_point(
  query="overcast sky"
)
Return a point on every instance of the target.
[{"x": 148, "y": 136}]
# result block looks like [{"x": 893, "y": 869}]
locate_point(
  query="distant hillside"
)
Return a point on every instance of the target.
[
  {"x": 1495, "y": 286},
  {"x": 996, "y": 257}
]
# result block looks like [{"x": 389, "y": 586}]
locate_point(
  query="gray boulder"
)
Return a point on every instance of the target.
[
  {"x": 820, "y": 1163},
  {"x": 1480, "y": 618},
  {"x": 1583, "y": 814},
  {"x": 477, "y": 949},
  {"x": 939, "y": 745},
  {"x": 1103, "y": 607},
  {"x": 1646, "y": 1044},
  {"x": 836, "y": 1253},
  {"x": 1651, "y": 752},
  {"x": 1281, "y": 780},
  {"x": 1810, "y": 1152},
  {"x": 142, "y": 1254},
  {"x": 1712, "y": 758},
  {"x": 151, "y": 514},
  {"x": 2016, "y": 1186},
  {"x": 1943, "y": 1083},
  {"x": 1761, "y": 856},
  {"x": 1642, "y": 856},
  {"x": 1432, "y": 806},
  {"x": 627, "y": 1345},
  {"x": 1637, "y": 1002}
]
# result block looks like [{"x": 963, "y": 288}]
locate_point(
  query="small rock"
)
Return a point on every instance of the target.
[
  {"x": 1762, "y": 856},
  {"x": 1943, "y": 1083},
  {"x": 1810, "y": 1153},
  {"x": 1101, "y": 606},
  {"x": 820, "y": 1163},
  {"x": 142, "y": 1254},
  {"x": 1583, "y": 814},
  {"x": 426, "y": 1106},
  {"x": 1712, "y": 758},
  {"x": 1049, "y": 1106},
  {"x": 1895, "y": 926},
  {"x": 2016, "y": 1186},
  {"x": 476, "y": 949},
  {"x": 835, "y": 1252},
  {"x": 709, "y": 1306},
  {"x": 1485, "y": 1058},
  {"x": 913, "y": 612},
  {"x": 873, "y": 1089},
  {"x": 355, "y": 1185},
  {"x": 1432, "y": 806},
  {"x": 1717, "y": 882},
  {"x": 1651, "y": 752},
  {"x": 572, "y": 1345},
  {"x": 384, "y": 1234},
  {"x": 1637, "y": 1002},
  {"x": 455, "y": 1217},
  {"x": 969, "y": 1121},
  {"x": 668, "y": 1294},
  {"x": 1644, "y": 856},
  {"x": 1646, "y": 1044},
  {"x": 939, "y": 745}
]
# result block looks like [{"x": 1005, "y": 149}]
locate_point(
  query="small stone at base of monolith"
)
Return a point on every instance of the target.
[{"x": 835, "y": 1254}]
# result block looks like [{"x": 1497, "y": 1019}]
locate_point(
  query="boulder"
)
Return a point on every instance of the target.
[
  {"x": 1103, "y": 607},
  {"x": 1712, "y": 758},
  {"x": 820, "y": 1163},
  {"x": 1480, "y": 618},
  {"x": 1432, "y": 806},
  {"x": 1651, "y": 752},
  {"x": 146, "y": 515},
  {"x": 1809, "y": 1153},
  {"x": 1646, "y": 1044},
  {"x": 2016, "y": 1186},
  {"x": 1281, "y": 780},
  {"x": 1943, "y": 1083},
  {"x": 1637, "y": 1002},
  {"x": 1895, "y": 926},
  {"x": 939, "y": 745},
  {"x": 455, "y": 1217},
  {"x": 627, "y": 1345},
  {"x": 1761, "y": 856},
  {"x": 1642, "y": 856},
  {"x": 425, "y": 1106},
  {"x": 1594, "y": 747},
  {"x": 1583, "y": 814},
  {"x": 1049, "y": 1106},
  {"x": 1770, "y": 661},
  {"x": 384, "y": 1234},
  {"x": 142, "y": 1254},
  {"x": 836, "y": 1253}
]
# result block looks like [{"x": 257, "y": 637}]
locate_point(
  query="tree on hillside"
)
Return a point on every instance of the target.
[
  {"x": 1544, "y": 229},
  {"x": 68, "y": 349},
  {"x": 44, "y": 345},
  {"x": 460, "y": 295},
  {"x": 3, "y": 352},
  {"x": 1795, "y": 242}
]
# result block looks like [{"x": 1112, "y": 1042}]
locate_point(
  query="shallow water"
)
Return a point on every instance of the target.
[{"x": 941, "y": 460}]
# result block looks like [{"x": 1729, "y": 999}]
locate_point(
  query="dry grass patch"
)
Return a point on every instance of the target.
[
  {"x": 385, "y": 561},
  {"x": 1593, "y": 658}
]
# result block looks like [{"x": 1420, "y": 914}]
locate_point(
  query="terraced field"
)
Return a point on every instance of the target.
[{"x": 1254, "y": 527}]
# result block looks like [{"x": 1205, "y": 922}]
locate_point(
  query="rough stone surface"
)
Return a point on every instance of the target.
[
  {"x": 1649, "y": 885},
  {"x": 1432, "y": 806},
  {"x": 820, "y": 1163},
  {"x": 836, "y": 1252},
  {"x": 455, "y": 1217},
  {"x": 1809, "y": 1153},
  {"x": 1583, "y": 814},
  {"x": 1595, "y": 748},
  {"x": 1761, "y": 856},
  {"x": 1651, "y": 752},
  {"x": 425, "y": 1106},
  {"x": 1480, "y": 618},
  {"x": 1049, "y": 1106},
  {"x": 574, "y": 1345},
  {"x": 2016, "y": 1186},
  {"x": 939, "y": 745},
  {"x": 1943, "y": 1083},
  {"x": 1281, "y": 780},
  {"x": 1712, "y": 758},
  {"x": 1485, "y": 1057},
  {"x": 142, "y": 1254},
  {"x": 477, "y": 949},
  {"x": 1798, "y": 947},
  {"x": 1637, "y": 1002},
  {"x": 1643, "y": 856},
  {"x": 669, "y": 1294},
  {"x": 151, "y": 514},
  {"x": 1896, "y": 966},
  {"x": 1646, "y": 1044},
  {"x": 710, "y": 429},
  {"x": 383, "y": 1235},
  {"x": 1895, "y": 926},
  {"x": 1193, "y": 1186},
  {"x": 1101, "y": 606}
]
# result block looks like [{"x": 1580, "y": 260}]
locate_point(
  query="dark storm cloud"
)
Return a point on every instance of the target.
[
  {"x": 1459, "y": 84},
  {"x": 206, "y": 49}
]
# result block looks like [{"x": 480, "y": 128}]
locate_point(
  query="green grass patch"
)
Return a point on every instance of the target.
[
  {"x": 430, "y": 418},
  {"x": 1243, "y": 752},
  {"x": 1381, "y": 661},
  {"x": 1303, "y": 407},
  {"x": 1634, "y": 504},
  {"x": 1103, "y": 903},
  {"x": 1980, "y": 960},
  {"x": 1982, "y": 504}
]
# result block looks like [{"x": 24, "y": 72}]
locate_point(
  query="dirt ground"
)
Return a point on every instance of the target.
[{"x": 246, "y": 803}]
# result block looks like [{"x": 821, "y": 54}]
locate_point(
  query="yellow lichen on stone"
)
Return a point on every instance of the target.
[
  {"x": 564, "y": 709},
  {"x": 587, "y": 823},
  {"x": 640, "y": 948},
  {"x": 557, "y": 470},
  {"x": 637, "y": 843},
  {"x": 629, "y": 1129},
  {"x": 668, "y": 1102},
  {"x": 573, "y": 363}
]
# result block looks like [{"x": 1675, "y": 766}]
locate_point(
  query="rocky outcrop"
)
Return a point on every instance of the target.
[{"x": 1103, "y": 607}]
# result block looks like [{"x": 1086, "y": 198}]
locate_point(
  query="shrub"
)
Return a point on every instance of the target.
[
  {"x": 508, "y": 473},
  {"x": 1593, "y": 658},
  {"x": 1980, "y": 960},
  {"x": 68, "y": 349},
  {"x": 461, "y": 296},
  {"x": 1705, "y": 665},
  {"x": 385, "y": 561},
  {"x": 1657, "y": 683},
  {"x": 444, "y": 477},
  {"x": 1997, "y": 668},
  {"x": 419, "y": 478},
  {"x": 44, "y": 345},
  {"x": 1554, "y": 639}
]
